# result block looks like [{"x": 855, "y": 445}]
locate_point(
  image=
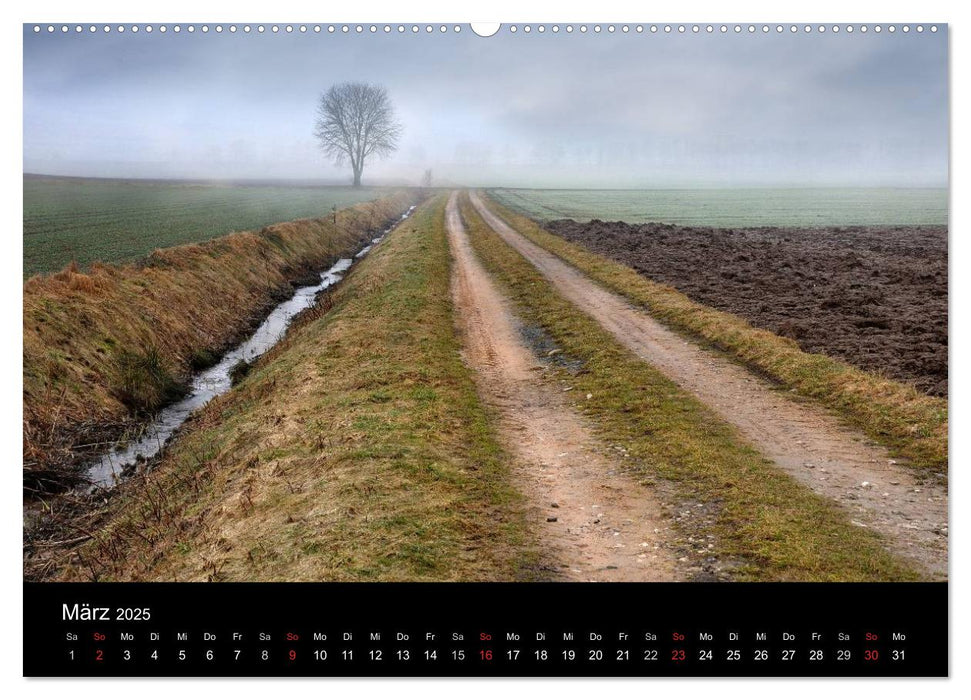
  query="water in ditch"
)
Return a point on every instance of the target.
[{"x": 107, "y": 470}]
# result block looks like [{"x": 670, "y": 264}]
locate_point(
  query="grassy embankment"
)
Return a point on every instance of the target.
[
  {"x": 357, "y": 449},
  {"x": 103, "y": 347},
  {"x": 759, "y": 516},
  {"x": 910, "y": 423}
]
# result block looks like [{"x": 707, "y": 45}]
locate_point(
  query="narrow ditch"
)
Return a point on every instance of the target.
[{"x": 115, "y": 464}]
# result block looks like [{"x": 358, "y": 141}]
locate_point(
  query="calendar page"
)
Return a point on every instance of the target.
[{"x": 514, "y": 349}]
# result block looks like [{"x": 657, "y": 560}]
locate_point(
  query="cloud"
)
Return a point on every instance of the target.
[{"x": 543, "y": 110}]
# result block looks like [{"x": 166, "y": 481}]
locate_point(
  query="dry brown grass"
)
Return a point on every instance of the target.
[
  {"x": 175, "y": 310},
  {"x": 912, "y": 424},
  {"x": 357, "y": 449}
]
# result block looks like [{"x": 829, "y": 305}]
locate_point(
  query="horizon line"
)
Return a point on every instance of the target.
[{"x": 331, "y": 182}]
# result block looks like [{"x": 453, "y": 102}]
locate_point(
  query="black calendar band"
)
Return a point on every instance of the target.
[{"x": 513, "y": 629}]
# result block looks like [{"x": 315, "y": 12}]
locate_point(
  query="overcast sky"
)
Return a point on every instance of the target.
[{"x": 607, "y": 110}]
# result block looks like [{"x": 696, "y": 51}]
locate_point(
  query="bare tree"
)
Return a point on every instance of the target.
[
  {"x": 354, "y": 122},
  {"x": 426, "y": 179}
]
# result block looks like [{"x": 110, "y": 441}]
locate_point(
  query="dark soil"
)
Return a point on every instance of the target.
[{"x": 875, "y": 297}]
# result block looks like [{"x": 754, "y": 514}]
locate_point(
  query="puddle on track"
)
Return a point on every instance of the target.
[{"x": 208, "y": 384}]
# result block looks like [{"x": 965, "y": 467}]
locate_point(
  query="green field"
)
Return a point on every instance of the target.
[
  {"x": 737, "y": 207},
  {"x": 85, "y": 221}
]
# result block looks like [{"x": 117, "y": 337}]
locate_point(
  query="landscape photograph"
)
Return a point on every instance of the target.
[{"x": 563, "y": 302}]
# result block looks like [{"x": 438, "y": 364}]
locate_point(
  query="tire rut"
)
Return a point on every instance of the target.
[{"x": 595, "y": 523}]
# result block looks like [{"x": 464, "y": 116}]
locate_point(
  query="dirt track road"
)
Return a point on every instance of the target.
[
  {"x": 805, "y": 441},
  {"x": 606, "y": 527}
]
